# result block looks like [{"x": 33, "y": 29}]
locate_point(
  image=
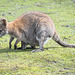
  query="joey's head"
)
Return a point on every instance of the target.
[{"x": 2, "y": 27}]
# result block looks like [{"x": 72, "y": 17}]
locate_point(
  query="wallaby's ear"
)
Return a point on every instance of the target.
[{"x": 4, "y": 22}]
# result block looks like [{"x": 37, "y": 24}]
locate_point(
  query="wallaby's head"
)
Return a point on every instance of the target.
[{"x": 2, "y": 27}]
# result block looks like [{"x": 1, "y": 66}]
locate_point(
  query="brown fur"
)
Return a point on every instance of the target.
[{"x": 33, "y": 28}]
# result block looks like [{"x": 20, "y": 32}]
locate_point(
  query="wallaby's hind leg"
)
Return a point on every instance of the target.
[
  {"x": 41, "y": 37},
  {"x": 11, "y": 39}
]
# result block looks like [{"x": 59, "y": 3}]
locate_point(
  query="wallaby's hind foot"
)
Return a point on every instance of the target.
[{"x": 36, "y": 50}]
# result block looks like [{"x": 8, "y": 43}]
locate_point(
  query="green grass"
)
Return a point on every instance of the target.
[{"x": 55, "y": 60}]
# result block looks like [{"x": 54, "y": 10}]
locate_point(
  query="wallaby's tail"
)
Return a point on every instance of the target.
[{"x": 57, "y": 39}]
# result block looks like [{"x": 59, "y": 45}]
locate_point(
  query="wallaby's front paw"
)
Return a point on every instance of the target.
[{"x": 9, "y": 46}]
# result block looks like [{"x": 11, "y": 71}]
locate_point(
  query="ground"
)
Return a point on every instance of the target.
[{"x": 54, "y": 60}]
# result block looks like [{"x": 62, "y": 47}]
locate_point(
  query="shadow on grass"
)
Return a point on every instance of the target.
[{"x": 6, "y": 50}]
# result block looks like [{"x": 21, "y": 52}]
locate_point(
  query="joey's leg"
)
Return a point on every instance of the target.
[
  {"x": 11, "y": 39},
  {"x": 23, "y": 45},
  {"x": 15, "y": 45},
  {"x": 31, "y": 47}
]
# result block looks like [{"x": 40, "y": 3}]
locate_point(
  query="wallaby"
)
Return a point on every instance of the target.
[{"x": 33, "y": 28}]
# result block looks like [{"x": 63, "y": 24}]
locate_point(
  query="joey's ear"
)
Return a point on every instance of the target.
[{"x": 4, "y": 22}]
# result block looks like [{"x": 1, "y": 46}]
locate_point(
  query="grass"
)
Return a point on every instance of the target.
[{"x": 55, "y": 60}]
